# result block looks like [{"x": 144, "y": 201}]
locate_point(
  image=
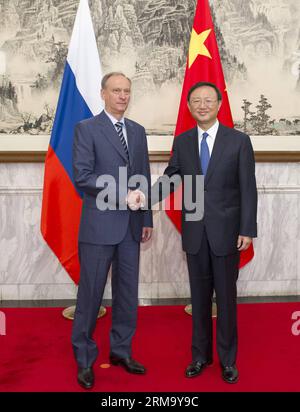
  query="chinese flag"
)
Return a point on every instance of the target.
[{"x": 203, "y": 64}]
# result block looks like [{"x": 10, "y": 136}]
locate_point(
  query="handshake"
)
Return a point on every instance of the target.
[{"x": 135, "y": 199}]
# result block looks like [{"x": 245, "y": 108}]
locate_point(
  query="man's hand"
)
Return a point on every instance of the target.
[
  {"x": 146, "y": 234},
  {"x": 243, "y": 242},
  {"x": 135, "y": 199}
]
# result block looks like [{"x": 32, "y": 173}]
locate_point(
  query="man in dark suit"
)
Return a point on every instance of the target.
[
  {"x": 108, "y": 145},
  {"x": 212, "y": 243}
]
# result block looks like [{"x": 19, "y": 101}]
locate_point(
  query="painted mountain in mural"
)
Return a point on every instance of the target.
[{"x": 148, "y": 40}]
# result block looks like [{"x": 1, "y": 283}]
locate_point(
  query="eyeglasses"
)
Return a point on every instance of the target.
[{"x": 205, "y": 102}]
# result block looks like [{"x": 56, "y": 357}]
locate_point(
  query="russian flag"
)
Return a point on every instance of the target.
[{"x": 79, "y": 99}]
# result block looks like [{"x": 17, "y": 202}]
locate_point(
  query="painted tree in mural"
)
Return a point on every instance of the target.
[
  {"x": 260, "y": 120},
  {"x": 40, "y": 82},
  {"x": 58, "y": 57},
  {"x": 8, "y": 100},
  {"x": 8, "y": 91},
  {"x": 28, "y": 122},
  {"x": 247, "y": 114}
]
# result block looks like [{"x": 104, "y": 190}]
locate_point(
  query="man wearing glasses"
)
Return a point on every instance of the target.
[{"x": 212, "y": 243}]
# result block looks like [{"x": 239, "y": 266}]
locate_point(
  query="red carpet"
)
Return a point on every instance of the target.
[{"x": 36, "y": 352}]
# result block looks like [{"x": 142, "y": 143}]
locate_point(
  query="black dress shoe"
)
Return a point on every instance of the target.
[
  {"x": 195, "y": 368},
  {"x": 129, "y": 364},
  {"x": 230, "y": 374},
  {"x": 85, "y": 377}
]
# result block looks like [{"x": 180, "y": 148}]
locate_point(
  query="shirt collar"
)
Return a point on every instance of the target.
[
  {"x": 113, "y": 119},
  {"x": 212, "y": 131}
]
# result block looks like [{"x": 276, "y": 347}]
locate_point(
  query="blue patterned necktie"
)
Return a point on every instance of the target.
[
  {"x": 204, "y": 153},
  {"x": 119, "y": 128}
]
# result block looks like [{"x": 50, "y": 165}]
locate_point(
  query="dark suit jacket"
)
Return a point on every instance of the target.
[
  {"x": 97, "y": 150},
  {"x": 230, "y": 195}
]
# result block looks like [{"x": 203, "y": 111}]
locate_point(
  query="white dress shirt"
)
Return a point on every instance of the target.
[
  {"x": 114, "y": 121},
  {"x": 212, "y": 133}
]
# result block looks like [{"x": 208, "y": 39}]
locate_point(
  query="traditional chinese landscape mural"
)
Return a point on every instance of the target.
[{"x": 259, "y": 43}]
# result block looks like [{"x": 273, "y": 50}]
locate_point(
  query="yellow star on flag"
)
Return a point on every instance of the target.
[{"x": 197, "y": 45}]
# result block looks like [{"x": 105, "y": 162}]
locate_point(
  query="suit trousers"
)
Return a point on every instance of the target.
[
  {"x": 209, "y": 273},
  {"x": 95, "y": 261}
]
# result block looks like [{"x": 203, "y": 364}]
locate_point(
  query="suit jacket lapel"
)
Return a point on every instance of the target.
[
  {"x": 195, "y": 150},
  {"x": 217, "y": 151},
  {"x": 111, "y": 134},
  {"x": 131, "y": 136}
]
